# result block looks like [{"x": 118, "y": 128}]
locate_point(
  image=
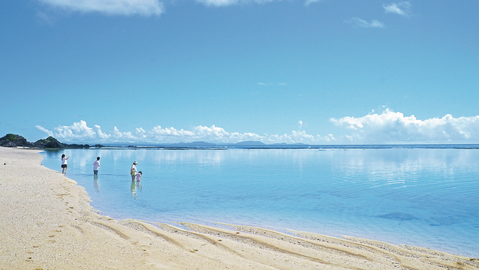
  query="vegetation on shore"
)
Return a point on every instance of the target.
[{"x": 14, "y": 140}]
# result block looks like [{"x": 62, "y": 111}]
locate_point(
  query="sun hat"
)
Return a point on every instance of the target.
[{"x": 134, "y": 162}]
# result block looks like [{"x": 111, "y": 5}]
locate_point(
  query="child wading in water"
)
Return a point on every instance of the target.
[
  {"x": 64, "y": 164},
  {"x": 138, "y": 176}
]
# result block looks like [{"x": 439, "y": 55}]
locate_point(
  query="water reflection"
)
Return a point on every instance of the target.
[
  {"x": 96, "y": 183},
  {"x": 374, "y": 159},
  {"x": 133, "y": 189}
]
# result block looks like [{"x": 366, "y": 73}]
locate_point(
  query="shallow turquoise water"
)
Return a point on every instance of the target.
[{"x": 422, "y": 197}]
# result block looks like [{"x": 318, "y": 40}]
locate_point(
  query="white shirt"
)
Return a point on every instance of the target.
[{"x": 96, "y": 165}]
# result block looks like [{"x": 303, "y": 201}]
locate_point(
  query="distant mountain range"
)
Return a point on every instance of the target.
[
  {"x": 244, "y": 144},
  {"x": 14, "y": 140}
]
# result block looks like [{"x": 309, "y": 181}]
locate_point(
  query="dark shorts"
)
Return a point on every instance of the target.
[{"x": 64, "y": 166}]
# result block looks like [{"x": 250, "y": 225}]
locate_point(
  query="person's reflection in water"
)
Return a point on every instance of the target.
[
  {"x": 138, "y": 180},
  {"x": 133, "y": 189},
  {"x": 96, "y": 183}
]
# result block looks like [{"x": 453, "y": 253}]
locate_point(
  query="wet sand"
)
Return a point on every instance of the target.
[{"x": 46, "y": 222}]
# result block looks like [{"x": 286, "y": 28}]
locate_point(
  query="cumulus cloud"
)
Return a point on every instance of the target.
[
  {"x": 80, "y": 132},
  {"x": 358, "y": 22},
  {"x": 394, "y": 127},
  {"x": 110, "y": 7},
  {"x": 374, "y": 128},
  {"x": 77, "y": 131},
  {"x": 48, "y": 132},
  {"x": 402, "y": 8}
]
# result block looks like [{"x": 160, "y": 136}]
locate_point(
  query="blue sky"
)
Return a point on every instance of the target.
[{"x": 319, "y": 72}]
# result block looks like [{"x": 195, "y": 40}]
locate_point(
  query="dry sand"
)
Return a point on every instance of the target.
[{"x": 46, "y": 222}]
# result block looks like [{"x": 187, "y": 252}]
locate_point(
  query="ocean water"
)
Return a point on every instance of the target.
[{"x": 421, "y": 197}]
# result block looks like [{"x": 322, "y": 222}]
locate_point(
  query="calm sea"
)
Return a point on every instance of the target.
[{"x": 422, "y": 197}]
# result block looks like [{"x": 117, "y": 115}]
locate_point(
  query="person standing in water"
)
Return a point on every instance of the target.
[
  {"x": 138, "y": 176},
  {"x": 133, "y": 171},
  {"x": 64, "y": 164},
  {"x": 96, "y": 166}
]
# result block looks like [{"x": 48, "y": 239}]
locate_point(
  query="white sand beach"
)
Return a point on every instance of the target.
[{"x": 46, "y": 222}]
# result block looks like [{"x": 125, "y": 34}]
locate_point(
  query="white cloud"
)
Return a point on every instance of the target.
[
  {"x": 77, "y": 131},
  {"x": 272, "y": 84},
  {"x": 374, "y": 128},
  {"x": 218, "y": 3},
  {"x": 48, "y": 132},
  {"x": 358, "y": 22},
  {"x": 80, "y": 132},
  {"x": 110, "y": 7},
  {"x": 133, "y": 7},
  {"x": 99, "y": 133},
  {"x": 224, "y": 3},
  {"x": 309, "y": 2},
  {"x": 45, "y": 18},
  {"x": 402, "y": 8},
  {"x": 394, "y": 127}
]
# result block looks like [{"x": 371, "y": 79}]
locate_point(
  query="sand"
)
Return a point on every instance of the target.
[{"x": 46, "y": 222}]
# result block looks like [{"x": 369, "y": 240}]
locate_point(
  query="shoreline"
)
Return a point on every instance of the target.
[{"x": 48, "y": 223}]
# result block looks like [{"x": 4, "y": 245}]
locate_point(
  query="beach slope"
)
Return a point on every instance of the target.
[{"x": 46, "y": 222}]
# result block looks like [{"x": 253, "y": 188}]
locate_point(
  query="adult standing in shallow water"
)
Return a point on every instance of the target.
[
  {"x": 64, "y": 164},
  {"x": 133, "y": 171},
  {"x": 96, "y": 166}
]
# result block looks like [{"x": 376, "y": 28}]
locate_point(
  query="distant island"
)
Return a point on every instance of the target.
[{"x": 13, "y": 140}]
